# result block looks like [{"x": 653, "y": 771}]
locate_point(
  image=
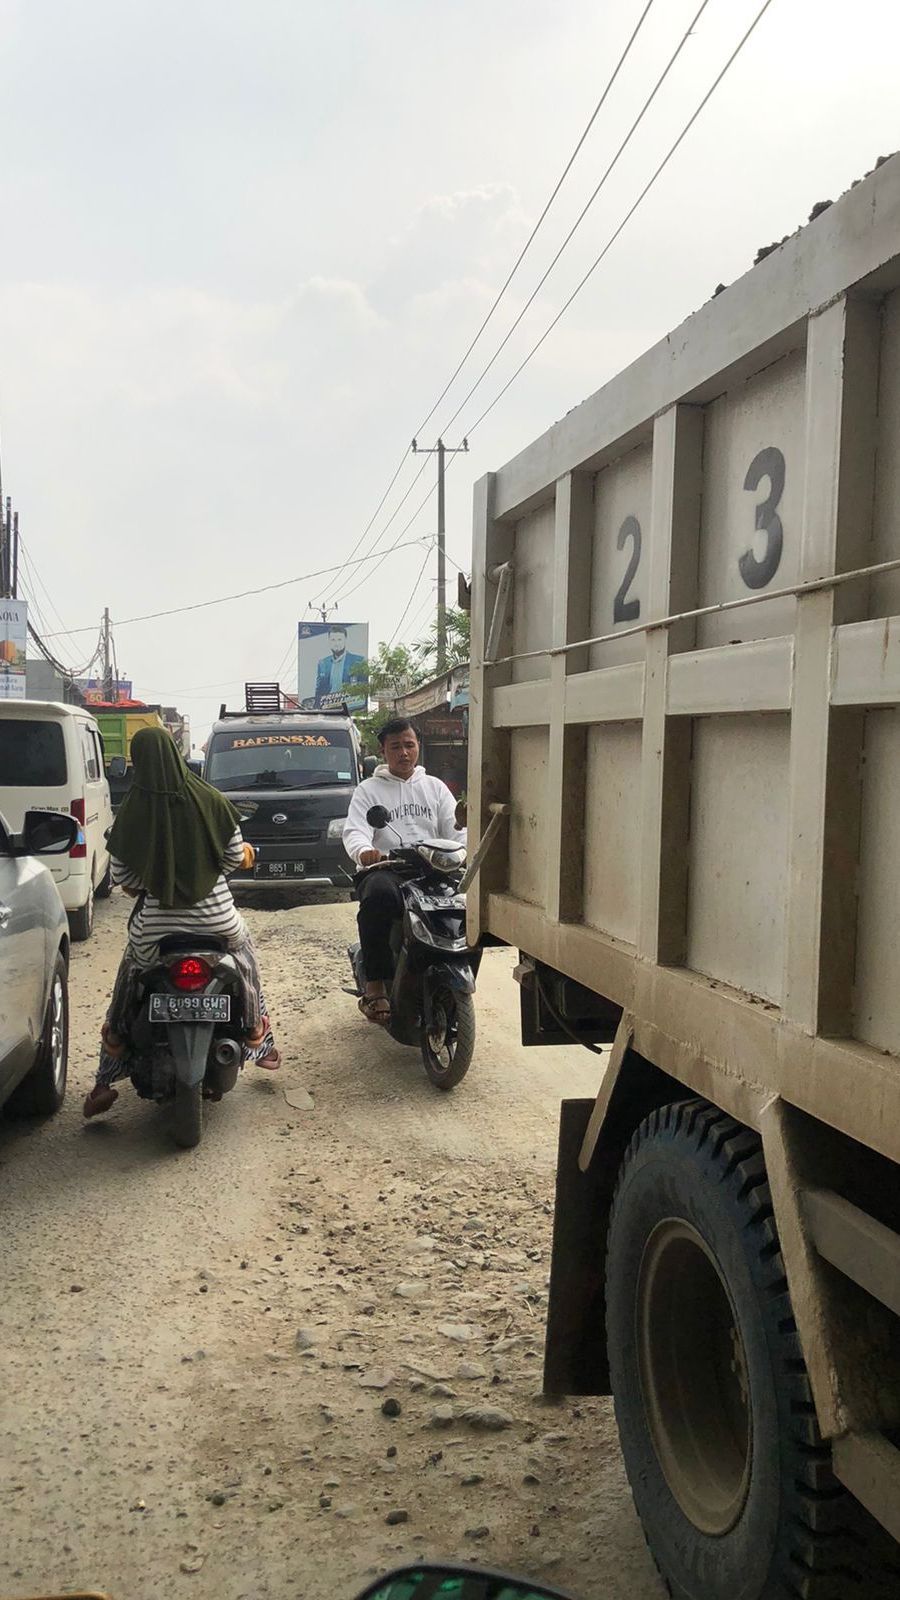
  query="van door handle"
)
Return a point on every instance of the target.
[{"x": 5, "y": 914}]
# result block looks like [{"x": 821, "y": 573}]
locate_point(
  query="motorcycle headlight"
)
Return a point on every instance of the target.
[
  {"x": 442, "y": 860},
  {"x": 336, "y": 828}
]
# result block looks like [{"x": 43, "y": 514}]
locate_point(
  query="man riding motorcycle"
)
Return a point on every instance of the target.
[{"x": 419, "y": 807}]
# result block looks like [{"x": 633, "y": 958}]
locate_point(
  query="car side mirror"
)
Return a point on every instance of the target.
[
  {"x": 196, "y": 767},
  {"x": 47, "y": 833},
  {"x": 118, "y": 767},
  {"x": 369, "y": 765},
  {"x": 378, "y": 817}
]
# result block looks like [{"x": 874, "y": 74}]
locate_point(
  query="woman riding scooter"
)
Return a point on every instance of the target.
[{"x": 173, "y": 840}]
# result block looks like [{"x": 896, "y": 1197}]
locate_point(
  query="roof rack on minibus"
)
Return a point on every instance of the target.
[{"x": 261, "y": 699}]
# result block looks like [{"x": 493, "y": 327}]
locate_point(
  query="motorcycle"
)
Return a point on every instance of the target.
[
  {"x": 186, "y": 1029},
  {"x": 434, "y": 970}
]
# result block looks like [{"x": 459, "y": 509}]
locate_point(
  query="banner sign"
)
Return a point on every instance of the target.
[
  {"x": 332, "y": 662},
  {"x": 94, "y": 690},
  {"x": 13, "y": 637}
]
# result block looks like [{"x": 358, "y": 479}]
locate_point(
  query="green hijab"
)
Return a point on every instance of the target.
[{"x": 173, "y": 829}]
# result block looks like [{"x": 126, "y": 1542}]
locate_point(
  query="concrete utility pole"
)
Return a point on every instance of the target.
[
  {"x": 441, "y": 451},
  {"x": 107, "y": 657}
]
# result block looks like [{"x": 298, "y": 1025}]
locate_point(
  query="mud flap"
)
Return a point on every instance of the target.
[
  {"x": 575, "y": 1354},
  {"x": 445, "y": 975},
  {"x": 190, "y": 1045}
]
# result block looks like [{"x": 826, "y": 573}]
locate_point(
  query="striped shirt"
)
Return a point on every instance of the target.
[{"x": 215, "y": 917}]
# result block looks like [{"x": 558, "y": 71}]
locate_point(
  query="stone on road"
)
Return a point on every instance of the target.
[{"x": 200, "y": 1347}]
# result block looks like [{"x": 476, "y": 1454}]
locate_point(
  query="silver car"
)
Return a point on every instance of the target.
[{"x": 34, "y": 964}]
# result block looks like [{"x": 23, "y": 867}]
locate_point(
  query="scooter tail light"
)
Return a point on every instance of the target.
[
  {"x": 190, "y": 974},
  {"x": 79, "y": 848}
]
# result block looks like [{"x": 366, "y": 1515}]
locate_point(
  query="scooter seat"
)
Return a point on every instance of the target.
[{"x": 180, "y": 943}]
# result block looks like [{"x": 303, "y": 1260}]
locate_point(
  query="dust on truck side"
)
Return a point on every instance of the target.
[{"x": 690, "y": 705}]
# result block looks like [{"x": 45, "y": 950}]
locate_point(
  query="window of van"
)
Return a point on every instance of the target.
[
  {"x": 89, "y": 750},
  {"x": 32, "y": 754},
  {"x": 305, "y": 758}
]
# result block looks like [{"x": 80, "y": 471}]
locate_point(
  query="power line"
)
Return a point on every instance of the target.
[
  {"x": 383, "y": 555},
  {"x": 505, "y": 285},
  {"x": 341, "y": 594},
  {"x": 28, "y": 560},
  {"x": 414, "y": 623},
  {"x": 244, "y": 594},
  {"x": 584, "y": 211},
  {"x": 419, "y": 577},
  {"x": 626, "y": 219},
  {"x": 533, "y": 234}
]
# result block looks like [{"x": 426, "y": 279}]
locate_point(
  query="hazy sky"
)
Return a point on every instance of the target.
[{"x": 245, "y": 243}]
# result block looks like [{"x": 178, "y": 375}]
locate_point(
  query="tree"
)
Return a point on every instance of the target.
[
  {"x": 425, "y": 650},
  {"x": 393, "y": 670}
]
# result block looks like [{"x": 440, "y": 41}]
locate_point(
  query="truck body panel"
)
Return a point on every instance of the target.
[{"x": 685, "y": 683}]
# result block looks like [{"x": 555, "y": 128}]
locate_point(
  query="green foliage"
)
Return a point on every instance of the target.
[{"x": 395, "y": 669}]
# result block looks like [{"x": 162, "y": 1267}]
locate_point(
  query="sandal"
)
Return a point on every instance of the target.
[
  {"x": 376, "y": 1008},
  {"x": 99, "y": 1100},
  {"x": 271, "y": 1062}
]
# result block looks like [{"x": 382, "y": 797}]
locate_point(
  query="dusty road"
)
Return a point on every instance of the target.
[{"x": 196, "y": 1346}]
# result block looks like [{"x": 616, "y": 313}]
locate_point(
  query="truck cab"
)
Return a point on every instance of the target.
[{"x": 290, "y": 774}]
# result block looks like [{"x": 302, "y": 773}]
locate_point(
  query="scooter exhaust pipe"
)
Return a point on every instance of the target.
[{"x": 227, "y": 1053}]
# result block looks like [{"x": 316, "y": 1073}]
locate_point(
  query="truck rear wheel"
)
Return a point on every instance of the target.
[{"x": 730, "y": 1475}]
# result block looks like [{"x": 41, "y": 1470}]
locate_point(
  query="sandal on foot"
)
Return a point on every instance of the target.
[
  {"x": 270, "y": 1062},
  {"x": 376, "y": 1008},
  {"x": 100, "y": 1099}
]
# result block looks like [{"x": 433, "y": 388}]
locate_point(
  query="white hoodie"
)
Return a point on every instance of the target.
[{"x": 420, "y": 808}]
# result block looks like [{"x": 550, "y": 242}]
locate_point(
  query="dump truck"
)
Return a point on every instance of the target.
[
  {"x": 118, "y": 725},
  {"x": 685, "y": 739}
]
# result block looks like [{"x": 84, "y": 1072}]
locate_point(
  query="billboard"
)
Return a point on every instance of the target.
[
  {"x": 94, "y": 690},
  {"x": 13, "y": 636},
  {"x": 332, "y": 660}
]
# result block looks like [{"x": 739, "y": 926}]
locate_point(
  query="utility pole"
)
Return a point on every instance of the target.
[
  {"x": 107, "y": 657},
  {"x": 441, "y": 451}
]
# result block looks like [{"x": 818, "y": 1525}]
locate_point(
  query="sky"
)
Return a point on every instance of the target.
[{"x": 245, "y": 244}]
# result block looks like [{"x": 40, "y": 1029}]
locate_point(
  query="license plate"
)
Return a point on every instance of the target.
[
  {"x": 280, "y": 869},
  {"x": 190, "y": 1008}
]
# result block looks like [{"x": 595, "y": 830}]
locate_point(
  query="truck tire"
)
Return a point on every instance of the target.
[
  {"x": 731, "y": 1478},
  {"x": 43, "y": 1090},
  {"x": 448, "y": 1047},
  {"x": 188, "y": 1114}
]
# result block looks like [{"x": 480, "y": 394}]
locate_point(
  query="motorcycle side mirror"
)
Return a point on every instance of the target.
[
  {"x": 369, "y": 765},
  {"x": 428, "y": 1582},
  {"x": 378, "y": 816}
]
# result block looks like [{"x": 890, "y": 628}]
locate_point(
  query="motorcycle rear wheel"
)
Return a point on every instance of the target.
[
  {"x": 448, "y": 1044},
  {"x": 188, "y": 1114}
]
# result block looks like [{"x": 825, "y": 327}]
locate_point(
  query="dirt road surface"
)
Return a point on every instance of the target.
[{"x": 199, "y": 1347}]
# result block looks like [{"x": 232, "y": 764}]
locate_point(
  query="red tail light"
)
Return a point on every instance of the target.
[
  {"x": 79, "y": 849},
  {"x": 190, "y": 974}
]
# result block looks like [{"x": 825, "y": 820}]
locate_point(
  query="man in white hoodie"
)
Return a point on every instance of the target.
[{"x": 418, "y": 807}]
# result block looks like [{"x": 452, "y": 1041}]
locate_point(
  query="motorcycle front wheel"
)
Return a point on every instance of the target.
[{"x": 448, "y": 1042}]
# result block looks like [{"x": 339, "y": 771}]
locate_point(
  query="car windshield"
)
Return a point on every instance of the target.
[
  {"x": 308, "y": 758},
  {"x": 32, "y": 754}
]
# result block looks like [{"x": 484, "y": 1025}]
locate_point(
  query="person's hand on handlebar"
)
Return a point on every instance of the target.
[{"x": 368, "y": 858}]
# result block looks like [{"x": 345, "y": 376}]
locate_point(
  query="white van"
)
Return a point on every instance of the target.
[{"x": 51, "y": 759}]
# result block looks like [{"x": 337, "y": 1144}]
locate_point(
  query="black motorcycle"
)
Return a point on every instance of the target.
[
  {"x": 434, "y": 970},
  {"x": 185, "y": 1030}
]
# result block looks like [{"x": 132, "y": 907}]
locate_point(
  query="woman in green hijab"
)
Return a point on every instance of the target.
[{"x": 173, "y": 840}]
